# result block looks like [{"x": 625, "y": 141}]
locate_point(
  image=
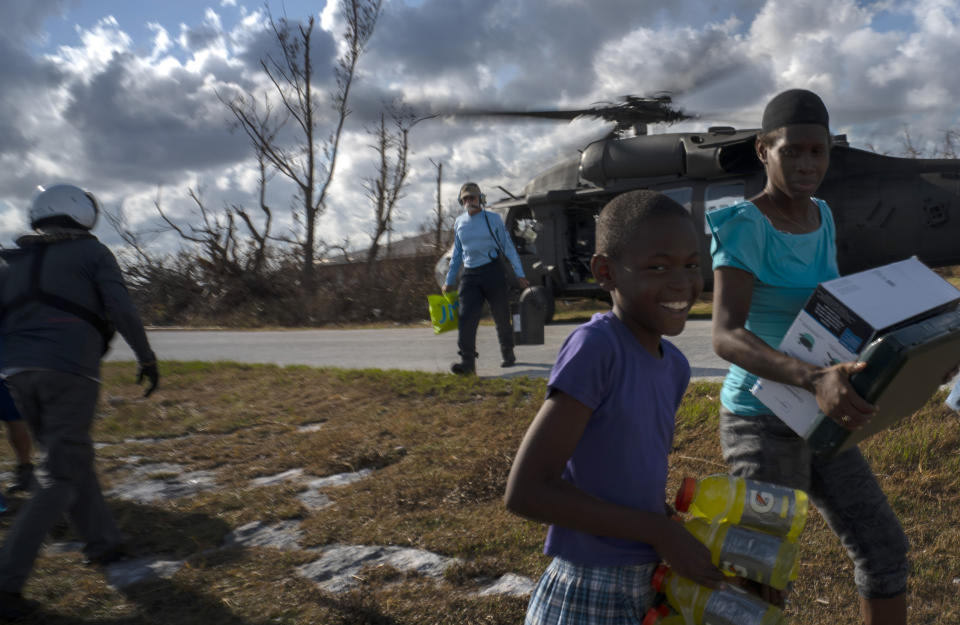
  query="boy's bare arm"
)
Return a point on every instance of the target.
[
  {"x": 732, "y": 295},
  {"x": 535, "y": 489}
]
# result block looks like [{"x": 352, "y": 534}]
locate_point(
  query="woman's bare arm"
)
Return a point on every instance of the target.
[{"x": 732, "y": 295}]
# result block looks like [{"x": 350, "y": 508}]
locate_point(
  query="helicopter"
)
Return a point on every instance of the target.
[{"x": 885, "y": 208}]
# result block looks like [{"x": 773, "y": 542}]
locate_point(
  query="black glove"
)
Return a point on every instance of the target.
[{"x": 148, "y": 370}]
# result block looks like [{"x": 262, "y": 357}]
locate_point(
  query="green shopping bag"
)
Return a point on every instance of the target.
[{"x": 444, "y": 311}]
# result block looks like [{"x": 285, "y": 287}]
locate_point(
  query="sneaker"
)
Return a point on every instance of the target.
[
  {"x": 509, "y": 359},
  {"x": 14, "y": 607},
  {"x": 23, "y": 480}
]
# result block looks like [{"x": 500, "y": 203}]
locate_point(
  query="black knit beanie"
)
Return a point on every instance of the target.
[{"x": 795, "y": 106}]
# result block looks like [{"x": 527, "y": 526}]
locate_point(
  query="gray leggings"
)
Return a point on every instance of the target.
[{"x": 843, "y": 488}]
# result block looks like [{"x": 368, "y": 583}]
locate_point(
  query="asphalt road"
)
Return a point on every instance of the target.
[{"x": 415, "y": 349}]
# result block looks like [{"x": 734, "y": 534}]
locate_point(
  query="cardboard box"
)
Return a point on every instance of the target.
[
  {"x": 842, "y": 317},
  {"x": 904, "y": 368}
]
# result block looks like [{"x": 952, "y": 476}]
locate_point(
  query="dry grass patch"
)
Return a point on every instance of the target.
[{"x": 440, "y": 448}]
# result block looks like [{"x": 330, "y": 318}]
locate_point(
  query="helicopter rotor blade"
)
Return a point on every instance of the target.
[
  {"x": 629, "y": 111},
  {"x": 567, "y": 115}
]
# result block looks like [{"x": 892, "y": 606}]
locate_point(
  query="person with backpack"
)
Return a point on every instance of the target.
[{"x": 61, "y": 296}]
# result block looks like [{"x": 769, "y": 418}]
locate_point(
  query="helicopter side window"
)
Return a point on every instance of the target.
[
  {"x": 720, "y": 195},
  {"x": 680, "y": 195}
]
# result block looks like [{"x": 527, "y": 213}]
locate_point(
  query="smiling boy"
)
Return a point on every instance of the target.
[{"x": 593, "y": 463}]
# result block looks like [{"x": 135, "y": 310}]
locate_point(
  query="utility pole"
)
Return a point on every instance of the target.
[{"x": 438, "y": 231}]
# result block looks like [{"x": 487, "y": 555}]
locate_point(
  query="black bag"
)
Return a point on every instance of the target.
[{"x": 511, "y": 276}]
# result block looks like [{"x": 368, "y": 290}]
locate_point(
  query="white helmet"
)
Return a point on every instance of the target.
[{"x": 65, "y": 200}]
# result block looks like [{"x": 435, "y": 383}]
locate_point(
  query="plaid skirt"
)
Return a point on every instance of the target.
[{"x": 573, "y": 594}]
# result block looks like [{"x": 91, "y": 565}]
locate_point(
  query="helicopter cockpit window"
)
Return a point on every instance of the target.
[
  {"x": 720, "y": 195},
  {"x": 525, "y": 235},
  {"x": 680, "y": 195},
  {"x": 523, "y": 230}
]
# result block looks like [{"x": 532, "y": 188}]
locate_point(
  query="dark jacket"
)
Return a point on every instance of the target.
[{"x": 79, "y": 268}]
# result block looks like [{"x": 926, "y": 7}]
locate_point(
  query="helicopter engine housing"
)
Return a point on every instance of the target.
[{"x": 637, "y": 157}]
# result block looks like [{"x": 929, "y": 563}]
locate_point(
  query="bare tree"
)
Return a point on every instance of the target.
[
  {"x": 910, "y": 150},
  {"x": 949, "y": 149},
  {"x": 134, "y": 240},
  {"x": 260, "y": 236},
  {"x": 385, "y": 189},
  {"x": 311, "y": 162},
  {"x": 215, "y": 233}
]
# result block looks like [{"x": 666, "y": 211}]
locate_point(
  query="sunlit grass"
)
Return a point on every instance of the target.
[{"x": 440, "y": 447}]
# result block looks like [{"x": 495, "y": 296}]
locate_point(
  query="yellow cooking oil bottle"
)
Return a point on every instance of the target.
[
  {"x": 699, "y": 605},
  {"x": 762, "y": 506},
  {"x": 741, "y": 551}
]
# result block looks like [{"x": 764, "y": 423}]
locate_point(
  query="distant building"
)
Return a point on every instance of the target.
[{"x": 416, "y": 246}]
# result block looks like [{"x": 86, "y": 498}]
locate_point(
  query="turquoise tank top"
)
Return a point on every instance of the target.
[{"x": 786, "y": 267}]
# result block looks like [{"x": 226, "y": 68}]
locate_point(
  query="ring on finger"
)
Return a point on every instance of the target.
[{"x": 845, "y": 418}]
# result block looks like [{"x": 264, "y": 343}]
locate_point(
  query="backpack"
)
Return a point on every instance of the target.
[{"x": 35, "y": 293}]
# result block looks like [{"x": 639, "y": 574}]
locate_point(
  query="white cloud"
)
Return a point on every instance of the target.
[
  {"x": 99, "y": 45},
  {"x": 328, "y": 16},
  {"x": 127, "y": 116},
  {"x": 161, "y": 40},
  {"x": 212, "y": 19}
]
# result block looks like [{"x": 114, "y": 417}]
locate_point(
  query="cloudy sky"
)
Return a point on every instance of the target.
[{"x": 121, "y": 97}]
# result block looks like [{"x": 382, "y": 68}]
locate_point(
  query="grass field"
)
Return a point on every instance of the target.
[{"x": 440, "y": 448}]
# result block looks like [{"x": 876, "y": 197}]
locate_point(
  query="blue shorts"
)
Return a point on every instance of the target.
[
  {"x": 843, "y": 488},
  {"x": 574, "y": 594},
  {"x": 8, "y": 409}
]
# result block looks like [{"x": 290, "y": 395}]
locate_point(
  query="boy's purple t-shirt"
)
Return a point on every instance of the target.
[{"x": 622, "y": 455}]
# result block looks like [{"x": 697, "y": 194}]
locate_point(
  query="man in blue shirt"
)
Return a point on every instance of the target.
[{"x": 480, "y": 239}]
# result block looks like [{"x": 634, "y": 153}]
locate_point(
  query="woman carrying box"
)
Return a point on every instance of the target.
[{"x": 769, "y": 254}]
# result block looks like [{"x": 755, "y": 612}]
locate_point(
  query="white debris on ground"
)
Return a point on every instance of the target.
[
  {"x": 149, "y": 440},
  {"x": 509, "y": 584},
  {"x": 312, "y": 498},
  {"x": 340, "y": 479},
  {"x": 282, "y": 535},
  {"x": 125, "y": 572},
  {"x": 337, "y": 568},
  {"x": 310, "y": 427},
  {"x": 162, "y": 481},
  {"x": 334, "y": 571},
  {"x": 297, "y": 475},
  {"x": 128, "y": 572},
  {"x": 279, "y": 478}
]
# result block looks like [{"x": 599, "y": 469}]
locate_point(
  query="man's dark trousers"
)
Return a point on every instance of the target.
[
  {"x": 59, "y": 408},
  {"x": 486, "y": 282}
]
